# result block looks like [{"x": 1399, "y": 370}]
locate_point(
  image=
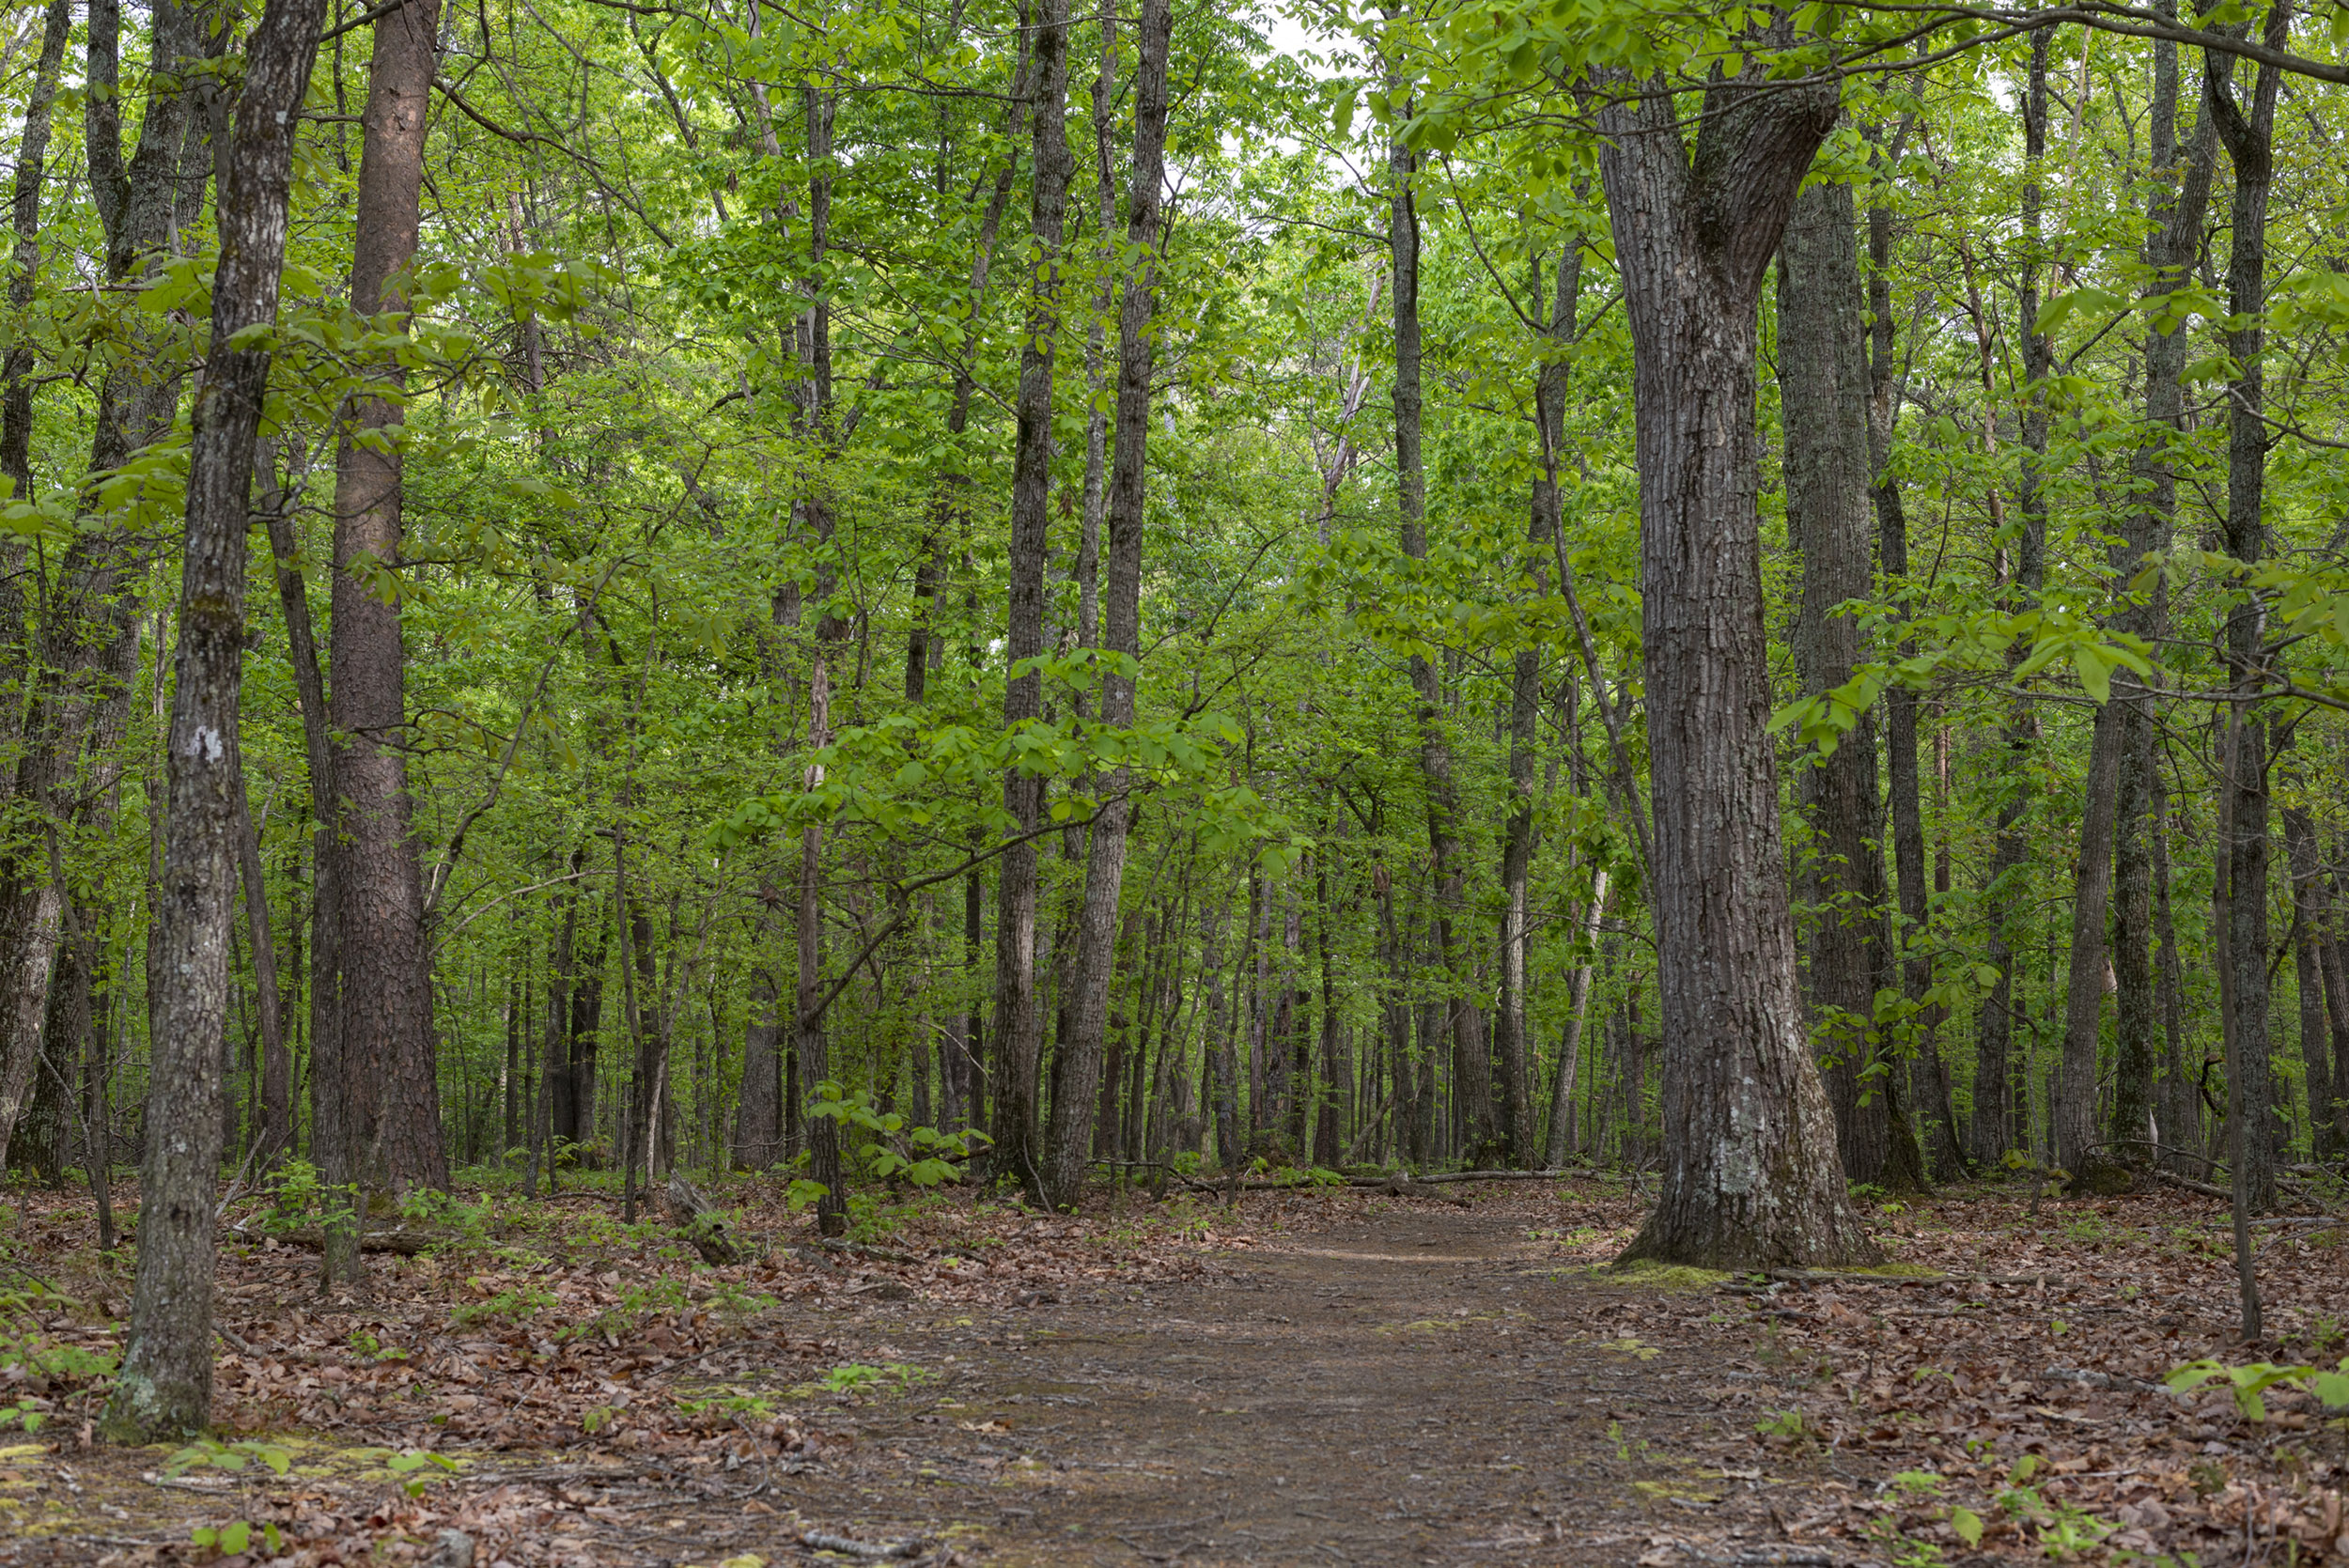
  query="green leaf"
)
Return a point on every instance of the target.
[{"x": 1967, "y": 1524}]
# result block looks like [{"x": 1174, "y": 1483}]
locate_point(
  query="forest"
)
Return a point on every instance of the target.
[{"x": 712, "y": 602}]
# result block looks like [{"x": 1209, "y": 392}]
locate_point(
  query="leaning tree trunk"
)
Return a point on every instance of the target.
[
  {"x": 1018, "y": 1023},
  {"x": 1751, "y": 1175},
  {"x": 1076, "y": 1066},
  {"x": 385, "y": 982},
  {"x": 2246, "y": 846},
  {"x": 164, "y": 1389}
]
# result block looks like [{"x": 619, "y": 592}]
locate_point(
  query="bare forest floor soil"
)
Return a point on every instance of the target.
[{"x": 1322, "y": 1377}]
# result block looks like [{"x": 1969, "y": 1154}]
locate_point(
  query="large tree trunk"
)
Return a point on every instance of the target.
[
  {"x": 1076, "y": 1065},
  {"x": 1751, "y": 1175},
  {"x": 1017, "y": 1021},
  {"x": 1823, "y": 395},
  {"x": 2245, "y": 850},
  {"x": 164, "y": 1389},
  {"x": 385, "y": 966},
  {"x": 757, "y": 1116}
]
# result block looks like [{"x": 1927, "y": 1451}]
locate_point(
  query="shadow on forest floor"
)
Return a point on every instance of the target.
[{"x": 1327, "y": 1378}]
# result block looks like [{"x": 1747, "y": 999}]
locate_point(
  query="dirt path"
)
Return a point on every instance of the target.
[
  {"x": 1412, "y": 1386},
  {"x": 1332, "y": 1377}
]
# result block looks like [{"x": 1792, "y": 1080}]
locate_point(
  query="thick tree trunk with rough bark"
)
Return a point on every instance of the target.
[
  {"x": 757, "y": 1115},
  {"x": 1823, "y": 397},
  {"x": 1017, "y": 1022},
  {"x": 1076, "y": 1065},
  {"x": 385, "y": 985},
  {"x": 164, "y": 1387},
  {"x": 1750, "y": 1175}
]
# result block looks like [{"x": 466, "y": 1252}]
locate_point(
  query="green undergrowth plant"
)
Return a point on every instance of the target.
[{"x": 2249, "y": 1383}]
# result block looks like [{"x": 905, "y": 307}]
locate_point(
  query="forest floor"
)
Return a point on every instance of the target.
[{"x": 1329, "y": 1377}]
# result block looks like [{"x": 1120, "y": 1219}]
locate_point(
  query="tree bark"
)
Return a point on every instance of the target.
[
  {"x": 1823, "y": 396},
  {"x": 1017, "y": 1021},
  {"x": 2245, "y": 847},
  {"x": 164, "y": 1389},
  {"x": 274, "y": 1135},
  {"x": 1749, "y": 1174},
  {"x": 94, "y": 602},
  {"x": 2174, "y": 222},
  {"x": 757, "y": 1116},
  {"x": 1076, "y": 1065},
  {"x": 386, "y": 981},
  {"x": 2308, "y": 929}
]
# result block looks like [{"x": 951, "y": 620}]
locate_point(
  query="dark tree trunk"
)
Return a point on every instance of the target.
[
  {"x": 1017, "y": 1019},
  {"x": 2175, "y": 212},
  {"x": 386, "y": 980},
  {"x": 1076, "y": 1065},
  {"x": 93, "y": 602},
  {"x": 2336, "y": 971},
  {"x": 274, "y": 1133},
  {"x": 1751, "y": 1175},
  {"x": 2245, "y": 852},
  {"x": 164, "y": 1389},
  {"x": 757, "y": 1116},
  {"x": 16, "y": 387},
  {"x": 2075, "y": 1107},
  {"x": 1823, "y": 395},
  {"x": 2309, "y": 931}
]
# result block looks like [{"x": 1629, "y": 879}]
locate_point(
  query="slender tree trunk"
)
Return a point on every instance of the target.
[
  {"x": 1076, "y": 1065},
  {"x": 2336, "y": 971},
  {"x": 1516, "y": 855},
  {"x": 2075, "y": 1110},
  {"x": 1749, "y": 1173},
  {"x": 166, "y": 1385},
  {"x": 1999, "y": 1112},
  {"x": 274, "y": 1135},
  {"x": 2245, "y": 847},
  {"x": 1017, "y": 1019},
  {"x": 1570, "y": 1046},
  {"x": 2308, "y": 929}
]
